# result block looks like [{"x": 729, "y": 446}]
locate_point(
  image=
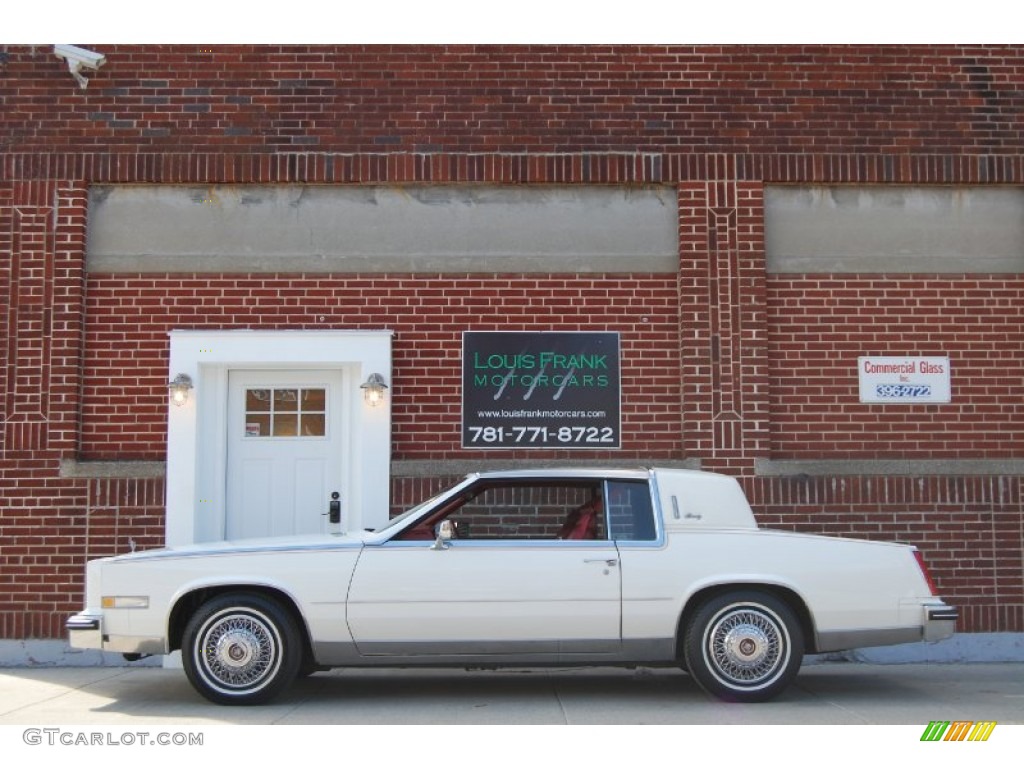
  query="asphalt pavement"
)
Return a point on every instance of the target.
[{"x": 824, "y": 694}]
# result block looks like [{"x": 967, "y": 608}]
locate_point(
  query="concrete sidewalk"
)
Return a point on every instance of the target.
[{"x": 824, "y": 694}]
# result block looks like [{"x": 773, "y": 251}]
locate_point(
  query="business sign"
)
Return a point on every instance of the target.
[
  {"x": 904, "y": 379},
  {"x": 540, "y": 390}
]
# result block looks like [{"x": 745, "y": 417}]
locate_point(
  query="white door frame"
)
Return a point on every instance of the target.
[{"x": 197, "y": 430}]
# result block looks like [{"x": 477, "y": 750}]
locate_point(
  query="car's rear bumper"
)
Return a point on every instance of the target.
[
  {"x": 940, "y": 622},
  {"x": 932, "y": 621}
]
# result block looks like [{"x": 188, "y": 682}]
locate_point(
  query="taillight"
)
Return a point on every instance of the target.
[{"x": 924, "y": 572}]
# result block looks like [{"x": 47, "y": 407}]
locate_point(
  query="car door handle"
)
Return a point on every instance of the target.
[{"x": 609, "y": 561}]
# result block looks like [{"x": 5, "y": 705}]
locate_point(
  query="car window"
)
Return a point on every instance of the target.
[
  {"x": 630, "y": 513},
  {"x": 523, "y": 511},
  {"x": 396, "y": 522}
]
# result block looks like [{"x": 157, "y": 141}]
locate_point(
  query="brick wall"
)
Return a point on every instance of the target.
[
  {"x": 731, "y": 366},
  {"x": 937, "y": 100},
  {"x": 128, "y": 318},
  {"x": 819, "y": 324}
]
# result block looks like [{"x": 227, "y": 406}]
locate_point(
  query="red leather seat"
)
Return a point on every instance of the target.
[{"x": 581, "y": 522}]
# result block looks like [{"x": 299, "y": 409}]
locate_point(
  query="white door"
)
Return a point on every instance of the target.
[{"x": 286, "y": 438}]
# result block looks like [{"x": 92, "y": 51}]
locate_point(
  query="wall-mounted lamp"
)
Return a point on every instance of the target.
[
  {"x": 374, "y": 389},
  {"x": 179, "y": 388}
]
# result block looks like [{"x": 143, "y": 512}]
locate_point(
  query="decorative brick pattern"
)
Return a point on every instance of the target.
[{"x": 722, "y": 330}]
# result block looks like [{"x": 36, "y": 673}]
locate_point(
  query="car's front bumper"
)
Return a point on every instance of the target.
[{"x": 85, "y": 632}]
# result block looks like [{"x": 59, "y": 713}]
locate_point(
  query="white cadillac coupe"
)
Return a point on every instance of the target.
[{"x": 525, "y": 568}]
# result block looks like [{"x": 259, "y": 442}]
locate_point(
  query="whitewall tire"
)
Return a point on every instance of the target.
[
  {"x": 241, "y": 649},
  {"x": 744, "y": 646}
]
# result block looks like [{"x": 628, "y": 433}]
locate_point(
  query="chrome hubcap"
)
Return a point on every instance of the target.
[
  {"x": 239, "y": 651},
  {"x": 746, "y": 647},
  {"x": 236, "y": 648}
]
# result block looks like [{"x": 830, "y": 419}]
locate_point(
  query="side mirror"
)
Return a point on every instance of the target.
[{"x": 445, "y": 531}]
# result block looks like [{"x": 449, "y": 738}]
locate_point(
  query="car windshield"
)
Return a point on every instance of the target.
[{"x": 396, "y": 522}]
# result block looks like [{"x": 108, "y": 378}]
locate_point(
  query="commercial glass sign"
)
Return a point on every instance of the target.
[
  {"x": 540, "y": 390},
  {"x": 904, "y": 379}
]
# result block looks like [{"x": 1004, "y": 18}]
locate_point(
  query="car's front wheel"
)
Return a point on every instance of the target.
[
  {"x": 743, "y": 646},
  {"x": 241, "y": 649}
]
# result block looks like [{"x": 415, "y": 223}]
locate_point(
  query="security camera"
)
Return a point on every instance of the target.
[{"x": 77, "y": 58}]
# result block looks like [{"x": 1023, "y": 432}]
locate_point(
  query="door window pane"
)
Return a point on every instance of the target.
[
  {"x": 257, "y": 400},
  {"x": 286, "y": 424},
  {"x": 314, "y": 400},
  {"x": 286, "y": 399},
  {"x": 529, "y": 510},
  {"x": 313, "y": 425},
  {"x": 286, "y": 412}
]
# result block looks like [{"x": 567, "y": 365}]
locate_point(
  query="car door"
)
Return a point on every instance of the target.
[{"x": 508, "y": 585}]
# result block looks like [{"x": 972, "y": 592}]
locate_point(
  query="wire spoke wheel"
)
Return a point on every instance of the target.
[
  {"x": 747, "y": 646},
  {"x": 743, "y": 646},
  {"x": 241, "y": 649}
]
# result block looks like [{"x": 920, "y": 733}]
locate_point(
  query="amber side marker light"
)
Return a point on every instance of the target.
[{"x": 124, "y": 601}]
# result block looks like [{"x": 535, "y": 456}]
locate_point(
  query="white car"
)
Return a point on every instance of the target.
[{"x": 525, "y": 568}]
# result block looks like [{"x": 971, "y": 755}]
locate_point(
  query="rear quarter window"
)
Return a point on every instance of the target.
[{"x": 630, "y": 512}]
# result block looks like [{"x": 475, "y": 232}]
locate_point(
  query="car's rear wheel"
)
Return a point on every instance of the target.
[
  {"x": 743, "y": 646},
  {"x": 241, "y": 649}
]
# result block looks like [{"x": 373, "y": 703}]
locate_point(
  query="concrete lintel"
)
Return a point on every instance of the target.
[
  {"x": 119, "y": 470},
  {"x": 355, "y": 229},
  {"x": 387, "y": 263},
  {"x": 888, "y": 467},
  {"x": 894, "y": 229}
]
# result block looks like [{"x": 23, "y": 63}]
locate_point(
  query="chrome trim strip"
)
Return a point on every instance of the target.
[
  {"x": 516, "y": 544},
  {"x": 488, "y": 648},
  {"x": 166, "y": 554},
  {"x": 567, "y": 473},
  {"x": 612, "y": 602}
]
